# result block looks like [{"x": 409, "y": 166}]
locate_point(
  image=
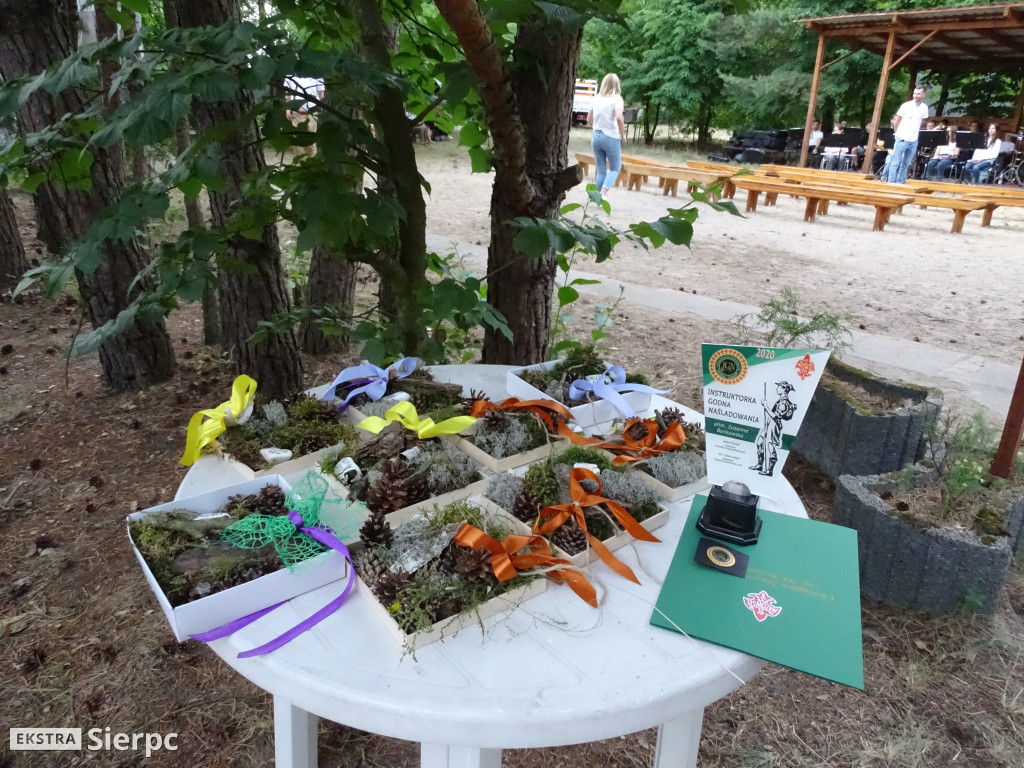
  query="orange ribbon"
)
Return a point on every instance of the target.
[
  {"x": 552, "y": 517},
  {"x": 508, "y": 558},
  {"x": 628, "y": 448},
  {"x": 539, "y": 407}
]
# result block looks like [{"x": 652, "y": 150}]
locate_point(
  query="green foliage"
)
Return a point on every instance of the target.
[
  {"x": 456, "y": 512},
  {"x": 577, "y": 454},
  {"x": 962, "y": 451},
  {"x": 779, "y": 324}
]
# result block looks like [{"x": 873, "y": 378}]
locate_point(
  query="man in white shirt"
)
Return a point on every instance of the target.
[
  {"x": 816, "y": 136},
  {"x": 907, "y": 124},
  {"x": 304, "y": 112}
]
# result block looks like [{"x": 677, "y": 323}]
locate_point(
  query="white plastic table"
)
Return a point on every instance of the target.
[{"x": 551, "y": 672}]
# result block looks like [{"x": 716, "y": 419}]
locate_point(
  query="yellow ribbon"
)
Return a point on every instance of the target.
[
  {"x": 405, "y": 413},
  {"x": 205, "y": 426}
]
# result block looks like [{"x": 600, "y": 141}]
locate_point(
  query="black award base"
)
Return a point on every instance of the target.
[{"x": 730, "y": 514}]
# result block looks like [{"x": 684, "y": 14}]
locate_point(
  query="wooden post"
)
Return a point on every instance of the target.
[
  {"x": 1017, "y": 108},
  {"x": 913, "y": 82},
  {"x": 814, "y": 99},
  {"x": 876, "y": 116},
  {"x": 1013, "y": 431}
]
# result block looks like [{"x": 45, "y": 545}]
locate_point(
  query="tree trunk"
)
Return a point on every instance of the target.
[
  {"x": 521, "y": 288},
  {"x": 34, "y": 36},
  {"x": 12, "y": 253},
  {"x": 252, "y": 286},
  {"x": 331, "y": 281}
]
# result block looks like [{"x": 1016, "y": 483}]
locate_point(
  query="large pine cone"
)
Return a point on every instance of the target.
[
  {"x": 376, "y": 532},
  {"x": 388, "y": 587},
  {"x": 370, "y": 566},
  {"x": 569, "y": 537},
  {"x": 526, "y": 507},
  {"x": 271, "y": 500},
  {"x": 637, "y": 431},
  {"x": 475, "y": 565},
  {"x": 240, "y": 505},
  {"x": 666, "y": 418},
  {"x": 386, "y": 495}
]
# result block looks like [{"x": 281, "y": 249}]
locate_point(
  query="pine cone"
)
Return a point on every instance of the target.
[
  {"x": 637, "y": 431},
  {"x": 370, "y": 566},
  {"x": 376, "y": 532},
  {"x": 386, "y": 495},
  {"x": 526, "y": 507},
  {"x": 694, "y": 435},
  {"x": 475, "y": 565},
  {"x": 416, "y": 488},
  {"x": 667, "y": 417},
  {"x": 569, "y": 537},
  {"x": 474, "y": 395},
  {"x": 240, "y": 505},
  {"x": 494, "y": 421},
  {"x": 271, "y": 501},
  {"x": 388, "y": 587}
]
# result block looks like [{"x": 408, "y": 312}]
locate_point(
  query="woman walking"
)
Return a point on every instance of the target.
[{"x": 609, "y": 131}]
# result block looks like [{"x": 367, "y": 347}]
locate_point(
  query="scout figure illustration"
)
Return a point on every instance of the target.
[{"x": 770, "y": 436}]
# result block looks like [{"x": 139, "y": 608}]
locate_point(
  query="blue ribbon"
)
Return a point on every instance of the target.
[
  {"x": 609, "y": 387},
  {"x": 326, "y": 537},
  {"x": 373, "y": 381}
]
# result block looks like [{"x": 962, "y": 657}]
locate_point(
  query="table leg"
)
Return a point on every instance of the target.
[
  {"x": 443, "y": 756},
  {"x": 294, "y": 736},
  {"x": 678, "y": 741}
]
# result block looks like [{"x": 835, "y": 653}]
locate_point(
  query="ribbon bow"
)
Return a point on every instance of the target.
[
  {"x": 647, "y": 446},
  {"x": 546, "y": 409},
  {"x": 518, "y": 553},
  {"x": 405, "y": 413},
  {"x": 611, "y": 390},
  {"x": 552, "y": 517},
  {"x": 296, "y": 536},
  {"x": 371, "y": 380},
  {"x": 205, "y": 426}
]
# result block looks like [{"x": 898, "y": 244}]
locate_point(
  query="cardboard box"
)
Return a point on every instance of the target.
[
  {"x": 218, "y": 609},
  {"x": 453, "y": 624},
  {"x": 586, "y": 415},
  {"x": 617, "y": 541}
]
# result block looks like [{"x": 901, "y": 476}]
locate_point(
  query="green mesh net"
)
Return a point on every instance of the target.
[{"x": 312, "y": 499}]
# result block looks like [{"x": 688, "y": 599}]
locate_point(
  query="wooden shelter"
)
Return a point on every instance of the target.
[{"x": 977, "y": 38}]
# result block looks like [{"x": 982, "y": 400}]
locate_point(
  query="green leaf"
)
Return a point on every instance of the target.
[
  {"x": 532, "y": 241},
  {"x": 31, "y": 183},
  {"x": 569, "y": 208},
  {"x": 583, "y": 281},
  {"x": 472, "y": 135},
  {"x": 480, "y": 159},
  {"x": 136, "y": 6},
  {"x": 567, "y": 295}
]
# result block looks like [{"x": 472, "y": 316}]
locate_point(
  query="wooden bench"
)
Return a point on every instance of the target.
[
  {"x": 670, "y": 177},
  {"x": 995, "y": 201},
  {"x": 585, "y": 161},
  {"x": 884, "y": 204},
  {"x": 817, "y": 173},
  {"x": 959, "y": 207}
]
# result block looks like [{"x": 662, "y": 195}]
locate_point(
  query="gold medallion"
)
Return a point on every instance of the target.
[{"x": 721, "y": 556}]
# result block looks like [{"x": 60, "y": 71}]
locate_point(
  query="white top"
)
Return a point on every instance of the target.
[
  {"x": 986, "y": 153},
  {"x": 311, "y": 86},
  {"x": 604, "y": 114},
  {"x": 816, "y": 137},
  {"x": 911, "y": 115}
]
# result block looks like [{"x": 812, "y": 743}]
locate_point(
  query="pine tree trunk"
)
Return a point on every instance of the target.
[
  {"x": 252, "y": 286},
  {"x": 521, "y": 288},
  {"x": 12, "y": 253},
  {"x": 331, "y": 281},
  {"x": 32, "y": 37}
]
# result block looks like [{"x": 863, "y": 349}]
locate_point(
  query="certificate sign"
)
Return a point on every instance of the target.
[{"x": 755, "y": 399}]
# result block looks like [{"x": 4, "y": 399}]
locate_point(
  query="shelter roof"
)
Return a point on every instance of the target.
[{"x": 978, "y": 37}]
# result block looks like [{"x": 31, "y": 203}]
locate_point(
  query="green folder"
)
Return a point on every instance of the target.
[{"x": 808, "y": 616}]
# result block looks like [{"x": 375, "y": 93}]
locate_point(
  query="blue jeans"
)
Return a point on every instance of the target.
[
  {"x": 606, "y": 149},
  {"x": 935, "y": 169},
  {"x": 973, "y": 171},
  {"x": 903, "y": 155}
]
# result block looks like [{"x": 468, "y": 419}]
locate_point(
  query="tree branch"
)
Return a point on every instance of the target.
[{"x": 487, "y": 63}]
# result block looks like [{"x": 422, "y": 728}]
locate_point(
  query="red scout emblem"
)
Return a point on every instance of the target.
[
  {"x": 804, "y": 367},
  {"x": 762, "y": 605}
]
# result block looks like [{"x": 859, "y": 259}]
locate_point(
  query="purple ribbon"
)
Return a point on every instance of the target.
[
  {"x": 328, "y": 539},
  {"x": 610, "y": 391},
  {"x": 369, "y": 379}
]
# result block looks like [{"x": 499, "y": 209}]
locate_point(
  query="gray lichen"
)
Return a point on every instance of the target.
[
  {"x": 503, "y": 490},
  {"x": 508, "y": 442},
  {"x": 627, "y": 488},
  {"x": 678, "y": 468}
]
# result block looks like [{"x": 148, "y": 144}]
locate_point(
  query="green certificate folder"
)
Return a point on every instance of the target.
[{"x": 798, "y": 606}]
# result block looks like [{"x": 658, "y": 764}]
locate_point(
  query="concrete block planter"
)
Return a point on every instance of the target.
[
  {"x": 840, "y": 436},
  {"x": 935, "y": 569}
]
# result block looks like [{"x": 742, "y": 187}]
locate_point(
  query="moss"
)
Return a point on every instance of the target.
[
  {"x": 445, "y": 412},
  {"x": 157, "y": 543},
  {"x": 578, "y": 455},
  {"x": 540, "y": 481},
  {"x": 990, "y": 522},
  {"x": 457, "y": 512}
]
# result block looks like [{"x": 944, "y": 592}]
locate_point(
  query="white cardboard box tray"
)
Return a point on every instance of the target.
[
  {"x": 586, "y": 415},
  {"x": 453, "y": 624},
  {"x": 226, "y": 606}
]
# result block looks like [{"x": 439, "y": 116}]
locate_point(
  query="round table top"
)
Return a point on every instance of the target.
[{"x": 551, "y": 671}]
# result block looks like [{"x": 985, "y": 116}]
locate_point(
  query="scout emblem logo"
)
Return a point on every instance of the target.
[
  {"x": 721, "y": 556},
  {"x": 728, "y": 366},
  {"x": 805, "y": 367},
  {"x": 762, "y": 605}
]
